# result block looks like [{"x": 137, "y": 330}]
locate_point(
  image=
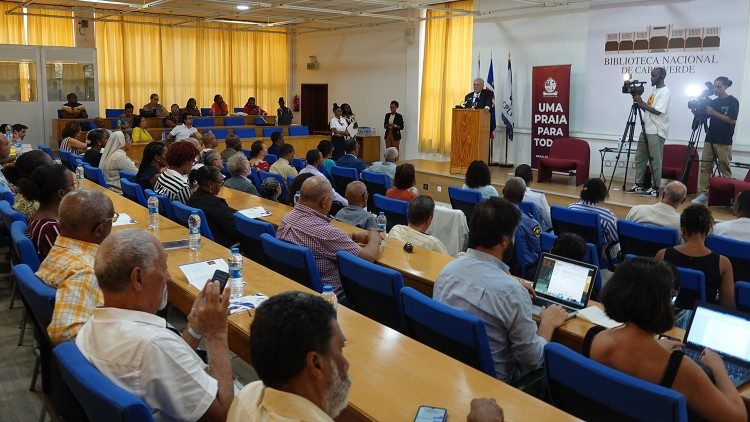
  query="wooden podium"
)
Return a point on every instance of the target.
[{"x": 470, "y": 138}]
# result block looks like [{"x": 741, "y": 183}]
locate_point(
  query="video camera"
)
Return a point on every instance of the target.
[
  {"x": 632, "y": 87},
  {"x": 699, "y": 102}
]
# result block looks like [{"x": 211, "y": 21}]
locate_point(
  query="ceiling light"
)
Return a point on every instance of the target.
[
  {"x": 115, "y": 3},
  {"x": 243, "y": 7},
  {"x": 235, "y": 22}
]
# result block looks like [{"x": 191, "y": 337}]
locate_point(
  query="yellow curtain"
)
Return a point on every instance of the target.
[
  {"x": 261, "y": 68},
  {"x": 51, "y": 31},
  {"x": 110, "y": 64},
  {"x": 446, "y": 74},
  {"x": 142, "y": 65},
  {"x": 11, "y": 26}
]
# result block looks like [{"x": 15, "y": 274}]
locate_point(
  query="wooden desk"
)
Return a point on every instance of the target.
[{"x": 392, "y": 374}]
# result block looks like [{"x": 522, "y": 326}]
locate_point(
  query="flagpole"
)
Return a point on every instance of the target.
[{"x": 506, "y": 163}]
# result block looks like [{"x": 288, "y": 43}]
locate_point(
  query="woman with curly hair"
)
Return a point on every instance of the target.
[
  {"x": 173, "y": 181},
  {"x": 478, "y": 179}
]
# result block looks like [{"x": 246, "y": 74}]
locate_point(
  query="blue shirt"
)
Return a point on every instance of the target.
[
  {"x": 486, "y": 190},
  {"x": 528, "y": 238},
  {"x": 608, "y": 219},
  {"x": 479, "y": 284},
  {"x": 349, "y": 160}
]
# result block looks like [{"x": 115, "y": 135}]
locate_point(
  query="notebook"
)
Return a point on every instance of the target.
[
  {"x": 562, "y": 281},
  {"x": 726, "y": 333}
]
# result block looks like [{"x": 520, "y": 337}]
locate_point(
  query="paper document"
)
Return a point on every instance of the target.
[
  {"x": 123, "y": 220},
  {"x": 246, "y": 303},
  {"x": 596, "y": 315},
  {"x": 199, "y": 273},
  {"x": 256, "y": 212},
  {"x": 352, "y": 130}
]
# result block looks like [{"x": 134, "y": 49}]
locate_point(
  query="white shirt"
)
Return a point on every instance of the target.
[
  {"x": 449, "y": 226},
  {"x": 314, "y": 170},
  {"x": 658, "y": 214},
  {"x": 138, "y": 353},
  {"x": 735, "y": 229},
  {"x": 181, "y": 132},
  {"x": 417, "y": 238},
  {"x": 338, "y": 124},
  {"x": 540, "y": 201},
  {"x": 258, "y": 403},
  {"x": 659, "y": 99}
]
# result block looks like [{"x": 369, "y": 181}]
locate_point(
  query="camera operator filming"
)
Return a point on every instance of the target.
[
  {"x": 651, "y": 142},
  {"x": 722, "y": 116}
]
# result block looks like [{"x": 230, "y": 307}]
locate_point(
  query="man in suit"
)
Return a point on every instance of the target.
[
  {"x": 349, "y": 159},
  {"x": 480, "y": 97}
]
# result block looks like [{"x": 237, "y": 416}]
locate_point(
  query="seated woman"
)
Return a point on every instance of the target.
[
  {"x": 115, "y": 159},
  {"x": 47, "y": 185},
  {"x": 270, "y": 189},
  {"x": 258, "y": 153},
  {"x": 23, "y": 167},
  {"x": 140, "y": 132},
  {"x": 191, "y": 109},
  {"x": 639, "y": 295},
  {"x": 219, "y": 107},
  {"x": 403, "y": 183},
  {"x": 219, "y": 216},
  {"x": 69, "y": 142},
  {"x": 252, "y": 109},
  {"x": 154, "y": 159},
  {"x": 174, "y": 118},
  {"x": 326, "y": 151},
  {"x": 172, "y": 180},
  {"x": 478, "y": 179},
  {"x": 284, "y": 111},
  {"x": 594, "y": 191},
  {"x": 97, "y": 139},
  {"x": 239, "y": 168},
  {"x": 696, "y": 223}
]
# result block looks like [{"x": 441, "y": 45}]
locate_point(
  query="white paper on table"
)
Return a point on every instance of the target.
[
  {"x": 255, "y": 213},
  {"x": 352, "y": 130},
  {"x": 596, "y": 315},
  {"x": 123, "y": 220},
  {"x": 246, "y": 303},
  {"x": 198, "y": 273}
]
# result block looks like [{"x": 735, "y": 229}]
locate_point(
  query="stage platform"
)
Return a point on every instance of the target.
[{"x": 433, "y": 178}]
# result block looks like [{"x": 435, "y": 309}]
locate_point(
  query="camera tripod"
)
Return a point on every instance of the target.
[
  {"x": 700, "y": 123},
  {"x": 627, "y": 137}
]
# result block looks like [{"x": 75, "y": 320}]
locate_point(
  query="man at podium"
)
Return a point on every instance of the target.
[{"x": 480, "y": 97}]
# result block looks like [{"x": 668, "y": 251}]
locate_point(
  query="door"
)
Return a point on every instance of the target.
[{"x": 315, "y": 108}]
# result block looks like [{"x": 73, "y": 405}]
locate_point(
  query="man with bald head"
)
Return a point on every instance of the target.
[
  {"x": 309, "y": 225},
  {"x": 528, "y": 234},
  {"x": 663, "y": 213},
  {"x": 355, "y": 213},
  {"x": 388, "y": 165},
  {"x": 132, "y": 346},
  {"x": 85, "y": 217}
]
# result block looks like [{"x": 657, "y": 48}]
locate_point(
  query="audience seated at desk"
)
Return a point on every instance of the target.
[
  {"x": 349, "y": 159},
  {"x": 172, "y": 181},
  {"x": 529, "y": 231},
  {"x": 478, "y": 282},
  {"x": 326, "y": 151},
  {"x": 153, "y": 161},
  {"x": 174, "y": 117},
  {"x": 115, "y": 159},
  {"x": 85, "y": 221},
  {"x": 219, "y": 216},
  {"x": 738, "y": 229},
  {"x": 593, "y": 193},
  {"x": 69, "y": 141},
  {"x": 191, "y": 108},
  {"x": 209, "y": 157},
  {"x": 251, "y": 109},
  {"x": 283, "y": 112},
  {"x": 314, "y": 162},
  {"x": 525, "y": 172},
  {"x": 47, "y": 185},
  {"x": 233, "y": 145},
  {"x": 97, "y": 138},
  {"x": 277, "y": 140},
  {"x": 567, "y": 245},
  {"x": 258, "y": 154},
  {"x": 185, "y": 130},
  {"x": 639, "y": 295},
  {"x": 270, "y": 189},
  {"x": 153, "y": 108},
  {"x": 309, "y": 225},
  {"x": 355, "y": 213},
  {"x": 125, "y": 121},
  {"x": 146, "y": 357},
  {"x": 219, "y": 107},
  {"x": 478, "y": 179},
  {"x": 663, "y": 213},
  {"x": 403, "y": 183},
  {"x": 23, "y": 168},
  {"x": 283, "y": 165},
  {"x": 140, "y": 130},
  {"x": 73, "y": 109},
  {"x": 239, "y": 169},
  {"x": 388, "y": 165},
  {"x": 421, "y": 210}
]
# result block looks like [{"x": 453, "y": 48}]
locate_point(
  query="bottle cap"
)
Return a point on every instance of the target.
[
  {"x": 327, "y": 288},
  {"x": 235, "y": 249}
]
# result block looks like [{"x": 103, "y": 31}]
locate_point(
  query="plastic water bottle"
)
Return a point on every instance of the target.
[
  {"x": 296, "y": 198},
  {"x": 329, "y": 296},
  {"x": 153, "y": 213},
  {"x": 79, "y": 175},
  {"x": 9, "y": 132},
  {"x": 381, "y": 221},
  {"x": 236, "y": 283},
  {"x": 194, "y": 232},
  {"x": 163, "y": 136}
]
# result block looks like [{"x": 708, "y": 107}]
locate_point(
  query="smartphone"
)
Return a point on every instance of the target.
[
  {"x": 431, "y": 414},
  {"x": 222, "y": 277},
  {"x": 175, "y": 244}
]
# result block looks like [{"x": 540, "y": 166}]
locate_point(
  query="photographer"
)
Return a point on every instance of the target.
[
  {"x": 651, "y": 143},
  {"x": 722, "y": 116}
]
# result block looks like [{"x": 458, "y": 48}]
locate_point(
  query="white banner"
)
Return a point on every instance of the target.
[{"x": 696, "y": 41}]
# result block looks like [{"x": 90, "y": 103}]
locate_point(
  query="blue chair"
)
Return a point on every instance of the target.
[
  {"x": 250, "y": 230},
  {"x": 113, "y": 113},
  {"x": 587, "y": 224},
  {"x": 737, "y": 251},
  {"x": 396, "y": 211},
  {"x": 342, "y": 176},
  {"x": 248, "y": 153},
  {"x": 258, "y": 120},
  {"x": 100, "y": 398},
  {"x": 372, "y": 290},
  {"x": 65, "y": 159},
  {"x": 238, "y": 109},
  {"x": 692, "y": 288},
  {"x": 299, "y": 131},
  {"x": 182, "y": 212},
  {"x": 74, "y": 161},
  {"x": 46, "y": 149},
  {"x": 530, "y": 209},
  {"x": 246, "y": 132},
  {"x": 267, "y": 131},
  {"x": 290, "y": 180},
  {"x": 220, "y": 134},
  {"x": 742, "y": 296},
  {"x": 10, "y": 214},
  {"x": 24, "y": 247},
  {"x": 133, "y": 191},
  {"x": 95, "y": 174},
  {"x": 7, "y": 195},
  {"x": 645, "y": 240},
  {"x": 234, "y": 121},
  {"x": 128, "y": 175},
  {"x": 454, "y": 332},
  {"x": 205, "y": 111},
  {"x": 377, "y": 184},
  {"x": 464, "y": 200},
  {"x": 591, "y": 257},
  {"x": 204, "y": 122},
  {"x": 165, "y": 204},
  {"x": 254, "y": 176},
  {"x": 292, "y": 261},
  {"x": 591, "y": 391},
  {"x": 263, "y": 175},
  {"x": 271, "y": 158},
  {"x": 299, "y": 163}
]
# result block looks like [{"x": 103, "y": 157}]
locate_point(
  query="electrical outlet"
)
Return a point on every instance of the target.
[
  {"x": 439, "y": 189},
  {"x": 425, "y": 187}
]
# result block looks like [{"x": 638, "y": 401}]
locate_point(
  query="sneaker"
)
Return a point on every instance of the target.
[
  {"x": 635, "y": 189},
  {"x": 700, "y": 199},
  {"x": 651, "y": 192}
]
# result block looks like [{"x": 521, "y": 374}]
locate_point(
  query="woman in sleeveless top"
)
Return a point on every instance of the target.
[
  {"x": 695, "y": 224},
  {"x": 639, "y": 295}
]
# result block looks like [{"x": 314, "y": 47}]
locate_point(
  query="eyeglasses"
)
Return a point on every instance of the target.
[{"x": 112, "y": 219}]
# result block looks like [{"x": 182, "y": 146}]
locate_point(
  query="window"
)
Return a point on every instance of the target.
[
  {"x": 64, "y": 78},
  {"x": 18, "y": 81}
]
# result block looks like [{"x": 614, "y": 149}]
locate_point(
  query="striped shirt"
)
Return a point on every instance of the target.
[
  {"x": 174, "y": 185},
  {"x": 609, "y": 220},
  {"x": 65, "y": 147},
  {"x": 417, "y": 238},
  {"x": 43, "y": 233}
]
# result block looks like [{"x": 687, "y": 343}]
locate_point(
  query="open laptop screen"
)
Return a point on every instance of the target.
[
  {"x": 564, "y": 280},
  {"x": 726, "y": 333}
]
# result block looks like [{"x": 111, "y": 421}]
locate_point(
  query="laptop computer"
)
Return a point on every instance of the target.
[
  {"x": 724, "y": 331},
  {"x": 563, "y": 281}
]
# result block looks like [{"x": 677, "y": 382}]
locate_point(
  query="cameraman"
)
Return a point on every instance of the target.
[
  {"x": 651, "y": 143},
  {"x": 722, "y": 116}
]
